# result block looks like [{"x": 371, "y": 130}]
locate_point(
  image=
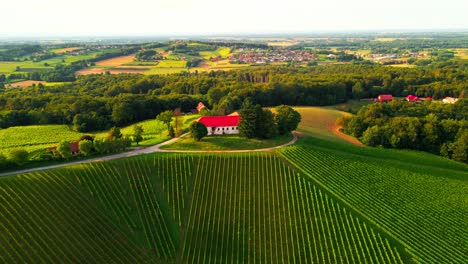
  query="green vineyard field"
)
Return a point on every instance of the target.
[
  {"x": 185, "y": 208},
  {"x": 423, "y": 206}
]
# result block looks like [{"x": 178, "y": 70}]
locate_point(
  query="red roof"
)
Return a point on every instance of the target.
[
  {"x": 412, "y": 97},
  {"x": 75, "y": 146},
  {"x": 219, "y": 121},
  {"x": 385, "y": 97},
  {"x": 200, "y": 106}
]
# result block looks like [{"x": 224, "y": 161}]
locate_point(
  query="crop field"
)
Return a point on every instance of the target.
[
  {"x": 422, "y": 204},
  {"x": 117, "y": 61},
  {"x": 321, "y": 200},
  {"x": 65, "y": 50},
  {"x": 226, "y": 208}
]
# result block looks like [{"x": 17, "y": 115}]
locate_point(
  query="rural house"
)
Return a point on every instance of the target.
[
  {"x": 220, "y": 125},
  {"x": 385, "y": 98},
  {"x": 199, "y": 107},
  {"x": 449, "y": 100},
  {"x": 412, "y": 98}
]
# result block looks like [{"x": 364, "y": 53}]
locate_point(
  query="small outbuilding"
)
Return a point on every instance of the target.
[
  {"x": 200, "y": 106},
  {"x": 412, "y": 98},
  {"x": 220, "y": 125},
  {"x": 385, "y": 98}
]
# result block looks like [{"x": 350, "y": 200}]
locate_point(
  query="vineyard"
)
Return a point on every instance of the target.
[
  {"x": 422, "y": 206},
  {"x": 184, "y": 208}
]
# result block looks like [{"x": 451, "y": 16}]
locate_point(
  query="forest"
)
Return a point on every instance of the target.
[
  {"x": 430, "y": 126},
  {"x": 98, "y": 102}
]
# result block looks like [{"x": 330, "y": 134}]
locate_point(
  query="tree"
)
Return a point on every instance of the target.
[
  {"x": 137, "y": 133},
  {"x": 64, "y": 149},
  {"x": 114, "y": 133},
  {"x": 287, "y": 119},
  {"x": 19, "y": 156},
  {"x": 198, "y": 131},
  {"x": 248, "y": 119},
  {"x": 266, "y": 125},
  {"x": 179, "y": 121},
  {"x": 85, "y": 147},
  {"x": 166, "y": 118},
  {"x": 373, "y": 136},
  {"x": 171, "y": 131},
  {"x": 460, "y": 146}
]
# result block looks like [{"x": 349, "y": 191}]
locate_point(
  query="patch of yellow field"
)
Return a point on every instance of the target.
[
  {"x": 117, "y": 61},
  {"x": 29, "y": 83},
  {"x": 65, "y": 50}
]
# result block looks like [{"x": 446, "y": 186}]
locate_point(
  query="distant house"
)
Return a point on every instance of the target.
[
  {"x": 385, "y": 98},
  {"x": 199, "y": 107},
  {"x": 220, "y": 125},
  {"x": 429, "y": 98},
  {"x": 412, "y": 98},
  {"x": 449, "y": 100},
  {"x": 74, "y": 147},
  {"x": 234, "y": 114}
]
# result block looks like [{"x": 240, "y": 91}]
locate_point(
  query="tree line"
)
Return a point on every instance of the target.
[{"x": 98, "y": 102}]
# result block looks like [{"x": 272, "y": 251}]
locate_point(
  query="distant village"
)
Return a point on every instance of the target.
[{"x": 260, "y": 56}]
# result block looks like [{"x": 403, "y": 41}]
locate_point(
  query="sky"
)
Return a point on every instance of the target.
[{"x": 211, "y": 17}]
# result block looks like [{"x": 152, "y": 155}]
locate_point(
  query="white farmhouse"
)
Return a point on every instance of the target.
[
  {"x": 449, "y": 100},
  {"x": 221, "y": 125}
]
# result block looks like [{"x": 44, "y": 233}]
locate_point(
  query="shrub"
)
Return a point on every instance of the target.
[
  {"x": 19, "y": 156},
  {"x": 86, "y": 147}
]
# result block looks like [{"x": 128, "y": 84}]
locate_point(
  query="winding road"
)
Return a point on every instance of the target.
[{"x": 147, "y": 150}]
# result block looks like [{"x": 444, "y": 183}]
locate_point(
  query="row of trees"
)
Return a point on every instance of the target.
[{"x": 433, "y": 127}]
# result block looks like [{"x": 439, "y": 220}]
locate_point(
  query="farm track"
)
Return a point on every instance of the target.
[{"x": 147, "y": 150}]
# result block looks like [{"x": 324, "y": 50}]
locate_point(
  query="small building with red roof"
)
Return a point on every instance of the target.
[
  {"x": 412, "y": 98},
  {"x": 385, "y": 98},
  {"x": 220, "y": 125},
  {"x": 199, "y": 107}
]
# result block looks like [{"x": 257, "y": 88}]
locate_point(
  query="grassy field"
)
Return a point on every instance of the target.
[
  {"x": 226, "y": 142},
  {"x": 223, "y": 52},
  {"x": 32, "y": 138}
]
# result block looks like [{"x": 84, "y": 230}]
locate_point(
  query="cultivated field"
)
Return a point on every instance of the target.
[
  {"x": 421, "y": 204},
  {"x": 117, "y": 61},
  {"x": 65, "y": 50},
  {"x": 322, "y": 200},
  {"x": 184, "y": 208}
]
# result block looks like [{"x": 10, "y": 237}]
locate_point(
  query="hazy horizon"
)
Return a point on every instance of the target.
[{"x": 43, "y": 18}]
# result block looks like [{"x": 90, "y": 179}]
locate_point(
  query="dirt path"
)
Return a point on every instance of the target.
[
  {"x": 335, "y": 129},
  {"x": 140, "y": 151}
]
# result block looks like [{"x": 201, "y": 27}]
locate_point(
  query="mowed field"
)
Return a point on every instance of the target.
[{"x": 322, "y": 200}]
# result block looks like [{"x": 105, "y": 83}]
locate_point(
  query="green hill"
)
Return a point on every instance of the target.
[{"x": 322, "y": 200}]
